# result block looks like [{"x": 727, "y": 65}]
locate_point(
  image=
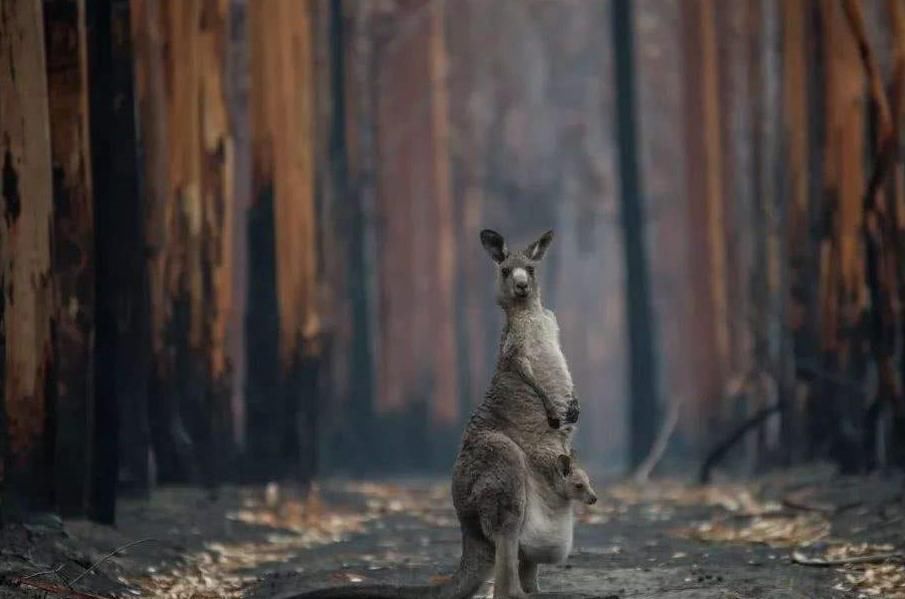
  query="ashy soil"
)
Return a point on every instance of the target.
[{"x": 803, "y": 534}]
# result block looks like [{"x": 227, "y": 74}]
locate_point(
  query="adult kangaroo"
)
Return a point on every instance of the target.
[{"x": 504, "y": 478}]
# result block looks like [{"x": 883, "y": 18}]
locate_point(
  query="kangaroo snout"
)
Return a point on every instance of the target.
[
  {"x": 592, "y": 499},
  {"x": 520, "y": 281}
]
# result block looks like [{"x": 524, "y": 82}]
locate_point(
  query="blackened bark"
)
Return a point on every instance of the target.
[
  {"x": 73, "y": 252},
  {"x": 262, "y": 327},
  {"x": 644, "y": 409},
  {"x": 358, "y": 417},
  {"x": 26, "y": 271},
  {"x": 122, "y": 311}
]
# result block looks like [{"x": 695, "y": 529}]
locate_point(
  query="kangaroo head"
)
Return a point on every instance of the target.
[
  {"x": 516, "y": 276},
  {"x": 575, "y": 484}
]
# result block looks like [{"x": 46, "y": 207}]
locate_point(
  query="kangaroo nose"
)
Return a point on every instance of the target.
[
  {"x": 521, "y": 284},
  {"x": 592, "y": 500}
]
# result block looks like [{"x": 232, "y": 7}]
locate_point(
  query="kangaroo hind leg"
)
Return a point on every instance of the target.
[{"x": 506, "y": 583}]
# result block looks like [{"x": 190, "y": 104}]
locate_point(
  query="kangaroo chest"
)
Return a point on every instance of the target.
[
  {"x": 546, "y": 534},
  {"x": 538, "y": 335}
]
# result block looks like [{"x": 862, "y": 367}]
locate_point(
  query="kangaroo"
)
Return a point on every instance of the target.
[{"x": 507, "y": 478}]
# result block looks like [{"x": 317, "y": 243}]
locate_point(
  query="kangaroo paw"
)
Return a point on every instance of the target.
[{"x": 572, "y": 411}]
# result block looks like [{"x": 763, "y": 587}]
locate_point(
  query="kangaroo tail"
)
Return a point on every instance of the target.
[{"x": 474, "y": 567}]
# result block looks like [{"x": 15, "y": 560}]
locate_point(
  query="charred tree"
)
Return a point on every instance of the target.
[
  {"x": 351, "y": 158},
  {"x": 27, "y": 369},
  {"x": 801, "y": 254},
  {"x": 183, "y": 96},
  {"x": 73, "y": 260},
  {"x": 349, "y": 421},
  {"x": 122, "y": 339},
  {"x": 706, "y": 214},
  {"x": 879, "y": 231},
  {"x": 170, "y": 439},
  {"x": 283, "y": 246},
  {"x": 841, "y": 289},
  {"x": 416, "y": 374},
  {"x": 644, "y": 410}
]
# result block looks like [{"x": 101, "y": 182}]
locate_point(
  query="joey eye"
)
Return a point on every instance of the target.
[{"x": 506, "y": 271}]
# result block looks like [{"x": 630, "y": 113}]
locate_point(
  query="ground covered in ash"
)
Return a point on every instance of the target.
[{"x": 806, "y": 534}]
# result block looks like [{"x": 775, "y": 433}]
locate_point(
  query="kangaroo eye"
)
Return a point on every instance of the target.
[
  {"x": 530, "y": 270},
  {"x": 506, "y": 271},
  {"x": 579, "y": 486}
]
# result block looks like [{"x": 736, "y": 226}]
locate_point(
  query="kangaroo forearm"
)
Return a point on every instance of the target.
[
  {"x": 544, "y": 397},
  {"x": 527, "y": 375}
]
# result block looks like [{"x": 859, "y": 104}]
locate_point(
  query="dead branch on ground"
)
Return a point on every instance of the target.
[
  {"x": 800, "y": 558},
  {"x": 55, "y": 589},
  {"x": 644, "y": 470},
  {"x": 722, "y": 448}
]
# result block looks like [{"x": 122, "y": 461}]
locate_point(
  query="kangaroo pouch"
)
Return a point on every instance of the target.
[{"x": 546, "y": 534}]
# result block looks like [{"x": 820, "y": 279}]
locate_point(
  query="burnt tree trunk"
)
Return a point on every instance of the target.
[
  {"x": 67, "y": 82},
  {"x": 27, "y": 301},
  {"x": 284, "y": 289},
  {"x": 645, "y": 408},
  {"x": 171, "y": 442},
  {"x": 799, "y": 241},
  {"x": 183, "y": 91},
  {"x": 710, "y": 354},
  {"x": 841, "y": 291},
  {"x": 352, "y": 181},
  {"x": 122, "y": 340}
]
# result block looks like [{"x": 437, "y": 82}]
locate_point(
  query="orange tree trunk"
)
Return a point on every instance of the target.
[
  {"x": 67, "y": 82},
  {"x": 181, "y": 59},
  {"x": 705, "y": 196},
  {"x": 284, "y": 284},
  {"x": 841, "y": 290},
  {"x": 801, "y": 254},
  {"x": 27, "y": 306}
]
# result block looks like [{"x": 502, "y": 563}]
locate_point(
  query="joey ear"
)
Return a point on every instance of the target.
[
  {"x": 494, "y": 244},
  {"x": 537, "y": 249},
  {"x": 565, "y": 464}
]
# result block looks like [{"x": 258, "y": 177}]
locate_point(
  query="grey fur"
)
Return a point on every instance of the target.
[
  {"x": 546, "y": 536},
  {"x": 508, "y": 477}
]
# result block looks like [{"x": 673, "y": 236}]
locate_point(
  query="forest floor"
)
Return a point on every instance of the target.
[{"x": 660, "y": 540}]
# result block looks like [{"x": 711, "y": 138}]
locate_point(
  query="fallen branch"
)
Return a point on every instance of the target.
[
  {"x": 643, "y": 472},
  {"x": 108, "y": 556},
  {"x": 800, "y": 558},
  {"x": 719, "y": 451},
  {"x": 55, "y": 589},
  {"x": 36, "y": 574},
  {"x": 798, "y": 501}
]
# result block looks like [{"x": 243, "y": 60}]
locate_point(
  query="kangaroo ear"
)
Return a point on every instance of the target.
[
  {"x": 494, "y": 244},
  {"x": 565, "y": 464},
  {"x": 537, "y": 249}
]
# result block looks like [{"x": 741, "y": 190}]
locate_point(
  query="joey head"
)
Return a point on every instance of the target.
[{"x": 574, "y": 483}]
